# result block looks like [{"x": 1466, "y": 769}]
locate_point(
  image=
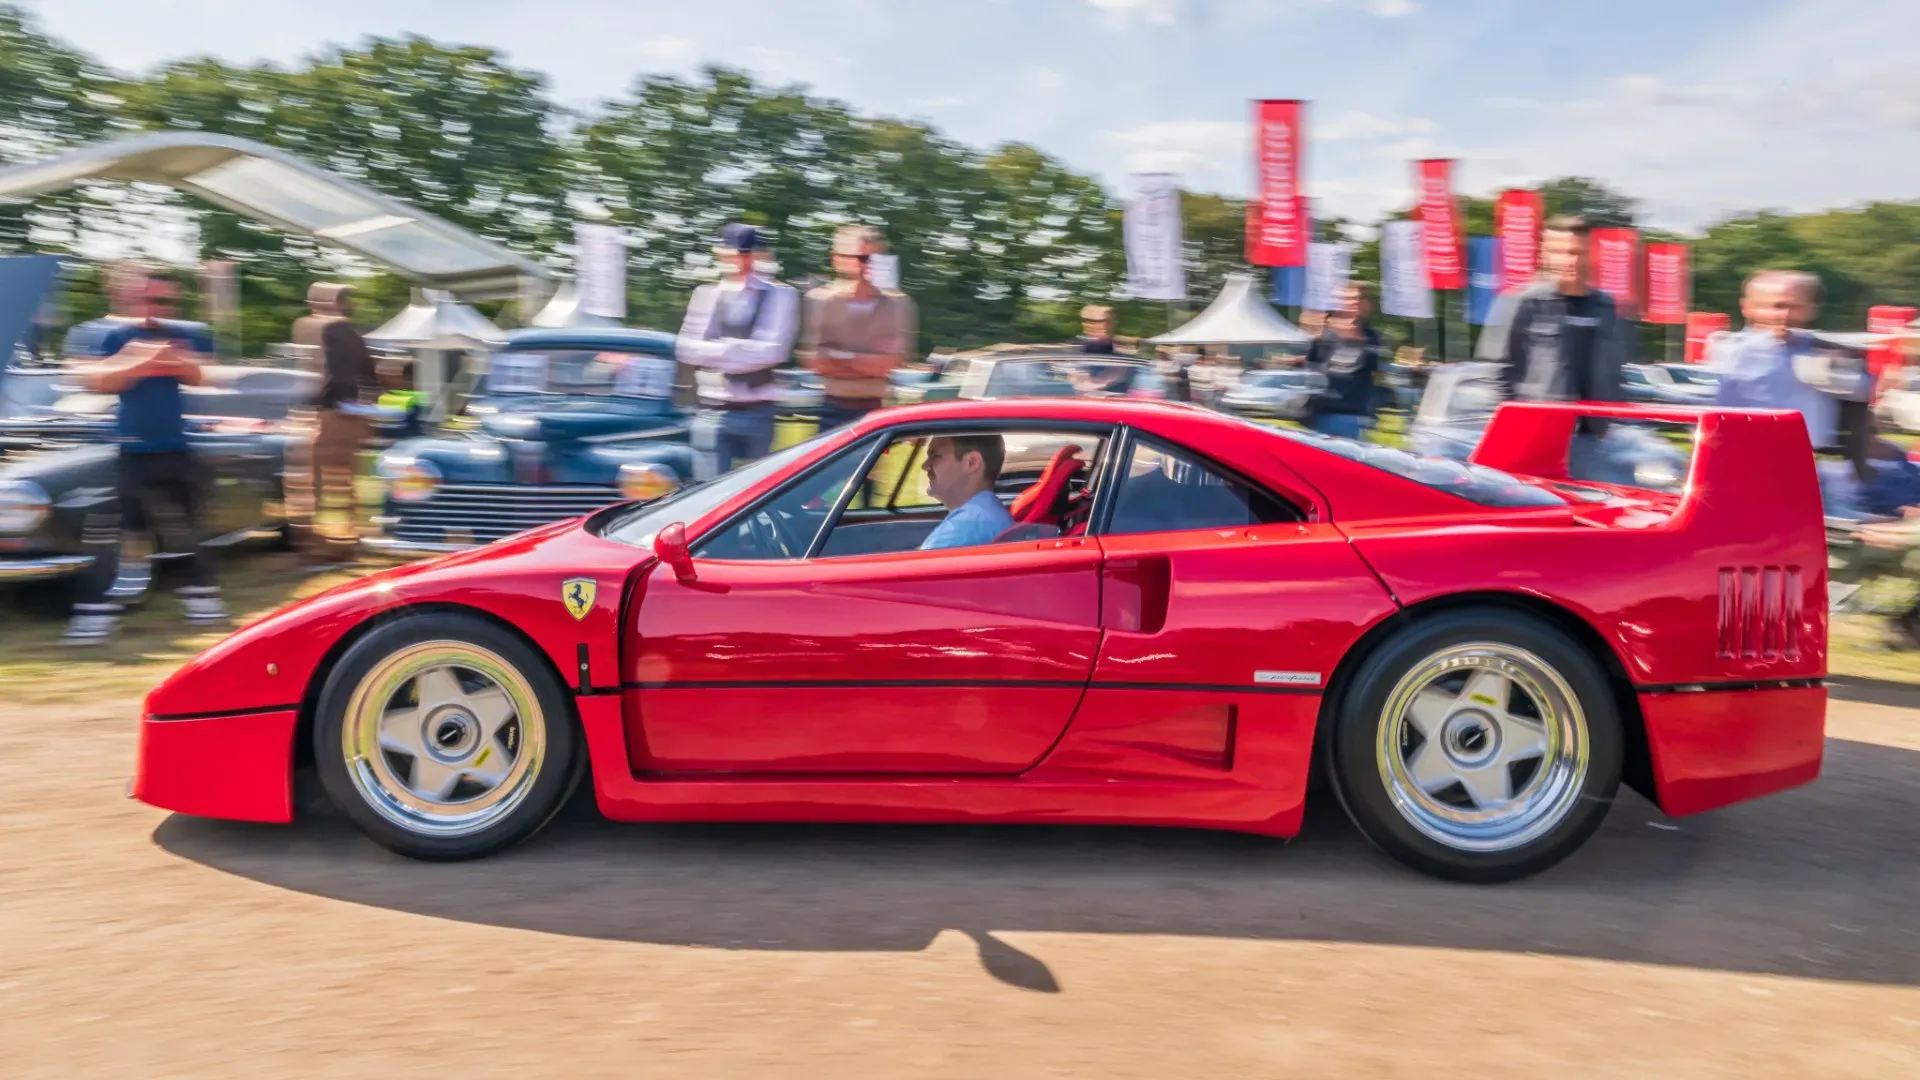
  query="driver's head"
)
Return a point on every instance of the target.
[{"x": 962, "y": 466}]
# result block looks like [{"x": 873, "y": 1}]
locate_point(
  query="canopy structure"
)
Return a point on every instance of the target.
[
  {"x": 1238, "y": 316},
  {"x": 280, "y": 189},
  {"x": 435, "y": 320},
  {"x": 564, "y": 311}
]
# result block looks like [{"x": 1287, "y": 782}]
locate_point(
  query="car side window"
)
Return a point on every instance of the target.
[
  {"x": 1167, "y": 490},
  {"x": 783, "y": 525}
]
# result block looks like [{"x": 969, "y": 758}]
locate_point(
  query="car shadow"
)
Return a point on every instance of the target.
[{"x": 1820, "y": 883}]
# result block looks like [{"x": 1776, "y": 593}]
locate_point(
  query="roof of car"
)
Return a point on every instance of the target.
[{"x": 592, "y": 338}]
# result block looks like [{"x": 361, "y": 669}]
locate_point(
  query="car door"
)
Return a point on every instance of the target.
[
  {"x": 960, "y": 661},
  {"x": 1225, "y": 610}
]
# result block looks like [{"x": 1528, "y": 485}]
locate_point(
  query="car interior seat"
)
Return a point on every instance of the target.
[{"x": 1045, "y": 500}]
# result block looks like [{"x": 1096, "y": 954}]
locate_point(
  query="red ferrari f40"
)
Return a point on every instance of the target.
[{"x": 1190, "y": 621}]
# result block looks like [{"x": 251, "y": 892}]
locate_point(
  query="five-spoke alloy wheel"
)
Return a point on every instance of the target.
[
  {"x": 444, "y": 737},
  {"x": 1477, "y": 745}
]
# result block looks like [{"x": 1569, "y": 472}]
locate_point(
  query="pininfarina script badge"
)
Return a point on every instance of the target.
[{"x": 1287, "y": 678}]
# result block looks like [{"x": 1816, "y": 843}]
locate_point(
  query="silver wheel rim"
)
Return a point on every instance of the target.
[
  {"x": 1483, "y": 747},
  {"x": 444, "y": 738}
]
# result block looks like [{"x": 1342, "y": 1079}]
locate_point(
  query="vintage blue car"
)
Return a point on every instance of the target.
[{"x": 565, "y": 421}]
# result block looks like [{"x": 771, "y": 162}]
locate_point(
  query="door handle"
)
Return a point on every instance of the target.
[{"x": 1134, "y": 596}]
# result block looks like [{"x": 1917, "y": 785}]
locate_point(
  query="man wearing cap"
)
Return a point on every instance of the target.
[
  {"x": 857, "y": 332},
  {"x": 321, "y": 458},
  {"x": 736, "y": 332}
]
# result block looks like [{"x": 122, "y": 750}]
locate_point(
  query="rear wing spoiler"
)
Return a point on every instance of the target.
[{"x": 1752, "y": 471}]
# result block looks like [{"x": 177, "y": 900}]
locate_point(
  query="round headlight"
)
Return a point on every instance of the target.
[
  {"x": 23, "y": 506},
  {"x": 646, "y": 482},
  {"x": 408, "y": 479}
]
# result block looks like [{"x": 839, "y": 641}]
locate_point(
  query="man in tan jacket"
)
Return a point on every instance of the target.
[{"x": 856, "y": 333}]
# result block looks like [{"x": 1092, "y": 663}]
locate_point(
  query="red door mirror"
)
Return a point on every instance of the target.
[{"x": 670, "y": 544}]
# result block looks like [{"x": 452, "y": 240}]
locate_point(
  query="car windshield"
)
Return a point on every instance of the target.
[
  {"x": 1475, "y": 483},
  {"x": 638, "y": 525},
  {"x": 577, "y": 371}
]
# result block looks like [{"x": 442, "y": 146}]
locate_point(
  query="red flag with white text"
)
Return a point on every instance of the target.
[
  {"x": 1440, "y": 228},
  {"x": 1278, "y": 151},
  {"x": 1886, "y": 319},
  {"x": 1517, "y": 223},
  {"x": 1669, "y": 284},
  {"x": 1615, "y": 257}
]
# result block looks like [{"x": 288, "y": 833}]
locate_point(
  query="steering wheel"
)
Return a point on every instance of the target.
[{"x": 771, "y": 535}]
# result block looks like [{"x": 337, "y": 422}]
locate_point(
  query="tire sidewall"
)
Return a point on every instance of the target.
[
  {"x": 560, "y": 769},
  {"x": 1363, "y": 792}
]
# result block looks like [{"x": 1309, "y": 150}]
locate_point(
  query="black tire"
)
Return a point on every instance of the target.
[
  {"x": 554, "y": 775},
  {"x": 1355, "y": 765}
]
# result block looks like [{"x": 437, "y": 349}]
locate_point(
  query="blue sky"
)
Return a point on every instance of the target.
[{"x": 1699, "y": 107}]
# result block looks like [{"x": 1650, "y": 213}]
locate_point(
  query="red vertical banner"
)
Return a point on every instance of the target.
[
  {"x": 1517, "y": 223},
  {"x": 1887, "y": 319},
  {"x": 1440, "y": 226},
  {"x": 1278, "y": 152},
  {"x": 1702, "y": 325},
  {"x": 1669, "y": 284},
  {"x": 1256, "y": 253},
  {"x": 1615, "y": 256}
]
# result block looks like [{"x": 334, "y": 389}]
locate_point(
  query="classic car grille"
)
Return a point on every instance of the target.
[{"x": 481, "y": 513}]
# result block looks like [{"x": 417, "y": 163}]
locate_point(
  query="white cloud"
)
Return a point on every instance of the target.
[
  {"x": 1122, "y": 13},
  {"x": 1048, "y": 78},
  {"x": 669, "y": 51},
  {"x": 1391, "y": 9}
]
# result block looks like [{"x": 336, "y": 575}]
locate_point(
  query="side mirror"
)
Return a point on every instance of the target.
[{"x": 670, "y": 544}]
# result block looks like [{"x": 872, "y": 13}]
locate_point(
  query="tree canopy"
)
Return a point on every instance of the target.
[{"x": 996, "y": 244}]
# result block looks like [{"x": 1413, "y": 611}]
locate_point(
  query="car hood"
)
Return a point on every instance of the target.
[{"x": 566, "y": 418}]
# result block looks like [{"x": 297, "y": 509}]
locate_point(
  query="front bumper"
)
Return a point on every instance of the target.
[
  {"x": 237, "y": 766},
  {"x": 42, "y": 567}
]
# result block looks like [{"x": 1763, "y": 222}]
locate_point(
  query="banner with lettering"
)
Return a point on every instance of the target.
[
  {"x": 1669, "y": 284},
  {"x": 1615, "y": 258},
  {"x": 1152, "y": 228},
  {"x": 1516, "y": 221},
  {"x": 600, "y": 267},
  {"x": 1440, "y": 232},
  {"x": 1279, "y": 236},
  {"x": 1886, "y": 319},
  {"x": 1403, "y": 272}
]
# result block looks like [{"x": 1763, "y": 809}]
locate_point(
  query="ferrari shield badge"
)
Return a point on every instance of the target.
[{"x": 577, "y": 594}]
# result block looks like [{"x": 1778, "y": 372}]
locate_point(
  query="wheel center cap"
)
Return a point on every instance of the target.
[
  {"x": 451, "y": 733},
  {"x": 1471, "y": 738}
]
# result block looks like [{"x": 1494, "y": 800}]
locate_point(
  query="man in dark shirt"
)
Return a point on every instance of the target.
[
  {"x": 159, "y": 480},
  {"x": 1559, "y": 340},
  {"x": 1347, "y": 353},
  {"x": 321, "y": 459}
]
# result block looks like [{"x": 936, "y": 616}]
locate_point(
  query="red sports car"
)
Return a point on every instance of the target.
[{"x": 1190, "y": 619}]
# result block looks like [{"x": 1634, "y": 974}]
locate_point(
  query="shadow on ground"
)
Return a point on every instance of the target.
[{"x": 1822, "y": 883}]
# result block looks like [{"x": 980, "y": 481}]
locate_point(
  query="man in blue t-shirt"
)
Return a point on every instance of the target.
[
  {"x": 961, "y": 470},
  {"x": 147, "y": 362}
]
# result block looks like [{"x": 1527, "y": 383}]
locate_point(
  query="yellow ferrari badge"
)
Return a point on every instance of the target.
[{"x": 577, "y": 594}]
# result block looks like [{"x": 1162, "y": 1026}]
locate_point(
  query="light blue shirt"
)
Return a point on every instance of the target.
[
  {"x": 1756, "y": 372},
  {"x": 974, "y": 522}
]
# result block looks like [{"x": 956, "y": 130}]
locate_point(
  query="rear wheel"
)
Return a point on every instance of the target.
[
  {"x": 1478, "y": 746},
  {"x": 444, "y": 737}
]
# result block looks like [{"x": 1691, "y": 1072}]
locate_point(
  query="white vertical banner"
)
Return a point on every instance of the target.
[
  {"x": 1327, "y": 268},
  {"x": 1403, "y": 272},
  {"x": 1153, "y": 234},
  {"x": 883, "y": 270},
  {"x": 600, "y": 266}
]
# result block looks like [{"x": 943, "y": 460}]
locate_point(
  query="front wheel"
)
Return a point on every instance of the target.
[
  {"x": 445, "y": 737},
  {"x": 1478, "y": 746}
]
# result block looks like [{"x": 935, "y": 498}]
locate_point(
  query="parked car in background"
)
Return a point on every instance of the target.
[
  {"x": 1270, "y": 394},
  {"x": 564, "y": 422},
  {"x": 1898, "y": 405},
  {"x": 1016, "y": 371},
  {"x": 1669, "y": 384}
]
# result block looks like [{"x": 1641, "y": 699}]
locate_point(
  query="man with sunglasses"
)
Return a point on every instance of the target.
[
  {"x": 736, "y": 332},
  {"x": 857, "y": 332}
]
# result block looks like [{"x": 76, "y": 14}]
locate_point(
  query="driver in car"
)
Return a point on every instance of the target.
[{"x": 961, "y": 471}]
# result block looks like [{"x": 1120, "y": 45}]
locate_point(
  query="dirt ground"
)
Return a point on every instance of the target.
[{"x": 1777, "y": 939}]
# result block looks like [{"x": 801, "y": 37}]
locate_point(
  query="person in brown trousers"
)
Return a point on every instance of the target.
[
  {"x": 321, "y": 459},
  {"x": 856, "y": 333}
]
